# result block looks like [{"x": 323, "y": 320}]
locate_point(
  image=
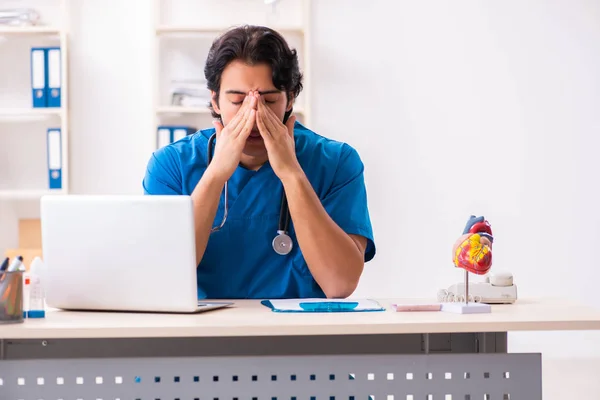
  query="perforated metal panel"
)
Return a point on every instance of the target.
[{"x": 381, "y": 377}]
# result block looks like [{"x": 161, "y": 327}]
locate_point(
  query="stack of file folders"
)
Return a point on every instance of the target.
[
  {"x": 46, "y": 76},
  {"x": 166, "y": 135}
]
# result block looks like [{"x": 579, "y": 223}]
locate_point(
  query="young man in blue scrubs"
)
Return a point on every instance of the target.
[{"x": 254, "y": 79}]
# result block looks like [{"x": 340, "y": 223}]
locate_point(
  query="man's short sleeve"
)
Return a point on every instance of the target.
[
  {"x": 346, "y": 200},
  {"x": 162, "y": 175}
]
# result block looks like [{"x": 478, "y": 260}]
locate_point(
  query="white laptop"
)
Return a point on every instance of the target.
[{"x": 120, "y": 253}]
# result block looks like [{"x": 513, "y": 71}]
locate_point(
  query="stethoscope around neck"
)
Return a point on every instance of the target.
[{"x": 282, "y": 243}]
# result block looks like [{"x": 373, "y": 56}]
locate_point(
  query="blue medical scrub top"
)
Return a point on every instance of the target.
[{"x": 239, "y": 261}]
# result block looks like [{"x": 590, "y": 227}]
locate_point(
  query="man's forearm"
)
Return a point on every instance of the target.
[
  {"x": 205, "y": 198},
  {"x": 333, "y": 257}
]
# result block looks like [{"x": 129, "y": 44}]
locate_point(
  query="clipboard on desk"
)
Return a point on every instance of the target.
[{"x": 322, "y": 305}]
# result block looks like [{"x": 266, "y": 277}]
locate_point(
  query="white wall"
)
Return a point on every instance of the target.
[
  {"x": 468, "y": 107},
  {"x": 474, "y": 107},
  {"x": 456, "y": 108}
]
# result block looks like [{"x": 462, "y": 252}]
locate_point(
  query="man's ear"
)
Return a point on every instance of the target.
[
  {"x": 290, "y": 104},
  {"x": 214, "y": 101}
]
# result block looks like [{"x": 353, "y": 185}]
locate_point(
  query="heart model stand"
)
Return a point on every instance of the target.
[
  {"x": 473, "y": 253},
  {"x": 466, "y": 307}
]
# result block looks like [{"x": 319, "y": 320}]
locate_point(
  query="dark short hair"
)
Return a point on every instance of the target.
[{"x": 254, "y": 45}]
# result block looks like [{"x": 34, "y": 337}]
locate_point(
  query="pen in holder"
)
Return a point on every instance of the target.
[{"x": 11, "y": 297}]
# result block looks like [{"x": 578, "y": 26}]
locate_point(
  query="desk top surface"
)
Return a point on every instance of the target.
[{"x": 250, "y": 318}]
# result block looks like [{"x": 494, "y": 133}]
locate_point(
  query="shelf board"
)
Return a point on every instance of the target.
[
  {"x": 182, "y": 110},
  {"x": 29, "y": 30},
  {"x": 166, "y": 29},
  {"x": 197, "y": 110},
  {"x": 26, "y": 111},
  {"x": 28, "y": 194}
]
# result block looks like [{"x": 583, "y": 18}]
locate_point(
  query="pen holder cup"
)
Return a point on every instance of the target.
[{"x": 11, "y": 297}]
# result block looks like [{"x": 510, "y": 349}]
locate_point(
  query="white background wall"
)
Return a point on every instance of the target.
[{"x": 455, "y": 107}]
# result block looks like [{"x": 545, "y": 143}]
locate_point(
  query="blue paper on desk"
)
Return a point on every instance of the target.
[{"x": 322, "y": 305}]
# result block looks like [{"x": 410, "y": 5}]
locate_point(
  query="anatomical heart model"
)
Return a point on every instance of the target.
[
  {"x": 473, "y": 253},
  {"x": 473, "y": 250}
]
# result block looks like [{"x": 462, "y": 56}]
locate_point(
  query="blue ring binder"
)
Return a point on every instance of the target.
[
  {"x": 325, "y": 306},
  {"x": 329, "y": 306}
]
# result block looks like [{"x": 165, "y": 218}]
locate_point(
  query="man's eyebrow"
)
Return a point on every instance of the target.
[{"x": 245, "y": 93}]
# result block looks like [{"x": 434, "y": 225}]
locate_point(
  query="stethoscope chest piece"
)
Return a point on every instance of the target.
[{"x": 282, "y": 243}]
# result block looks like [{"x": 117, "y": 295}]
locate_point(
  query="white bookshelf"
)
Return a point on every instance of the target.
[
  {"x": 211, "y": 23},
  {"x": 213, "y": 31},
  {"x": 182, "y": 110},
  {"x": 28, "y": 194},
  {"x": 29, "y": 30},
  {"x": 29, "y": 112},
  {"x": 200, "y": 110},
  {"x": 13, "y": 117}
]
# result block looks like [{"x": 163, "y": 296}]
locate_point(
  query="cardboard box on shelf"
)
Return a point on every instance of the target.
[
  {"x": 30, "y": 234},
  {"x": 30, "y": 242}
]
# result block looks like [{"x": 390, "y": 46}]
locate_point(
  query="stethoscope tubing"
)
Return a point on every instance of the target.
[{"x": 282, "y": 243}]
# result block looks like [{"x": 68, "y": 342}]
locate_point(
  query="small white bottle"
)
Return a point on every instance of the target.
[
  {"x": 37, "y": 301},
  {"x": 26, "y": 286}
]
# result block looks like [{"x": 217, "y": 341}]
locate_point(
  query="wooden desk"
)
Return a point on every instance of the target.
[{"x": 249, "y": 352}]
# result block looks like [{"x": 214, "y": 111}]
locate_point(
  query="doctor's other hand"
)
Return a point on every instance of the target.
[
  {"x": 279, "y": 141},
  {"x": 231, "y": 140}
]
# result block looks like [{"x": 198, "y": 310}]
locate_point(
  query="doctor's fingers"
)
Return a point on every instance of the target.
[
  {"x": 269, "y": 113},
  {"x": 244, "y": 129},
  {"x": 273, "y": 122},
  {"x": 265, "y": 116},
  {"x": 262, "y": 127},
  {"x": 261, "y": 115},
  {"x": 248, "y": 106},
  {"x": 238, "y": 118}
]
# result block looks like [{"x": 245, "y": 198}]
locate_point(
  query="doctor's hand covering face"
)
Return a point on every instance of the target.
[
  {"x": 252, "y": 109},
  {"x": 279, "y": 141},
  {"x": 232, "y": 139}
]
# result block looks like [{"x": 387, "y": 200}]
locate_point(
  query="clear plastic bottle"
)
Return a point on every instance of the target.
[
  {"x": 37, "y": 301},
  {"x": 26, "y": 282}
]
